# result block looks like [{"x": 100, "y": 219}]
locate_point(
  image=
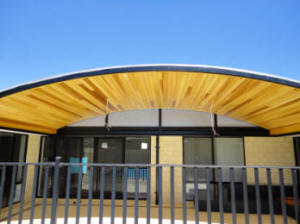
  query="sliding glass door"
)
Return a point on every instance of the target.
[
  {"x": 109, "y": 150},
  {"x": 137, "y": 151},
  {"x": 104, "y": 150},
  {"x": 197, "y": 151},
  {"x": 12, "y": 149},
  {"x": 211, "y": 151}
]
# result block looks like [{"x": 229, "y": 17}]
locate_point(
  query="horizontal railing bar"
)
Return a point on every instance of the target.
[
  {"x": 146, "y": 165},
  {"x": 26, "y": 164},
  {"x": 174, "y": 165},
  {"x": 233, "y": 197}
]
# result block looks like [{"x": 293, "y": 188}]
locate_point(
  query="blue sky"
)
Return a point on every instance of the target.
[{"x": 39, "y": 39}]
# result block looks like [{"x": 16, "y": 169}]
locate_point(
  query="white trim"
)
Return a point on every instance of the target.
[{"x": 153, "y": 65}]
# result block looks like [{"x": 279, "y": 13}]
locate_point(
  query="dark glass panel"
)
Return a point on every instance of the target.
[
  {"x": 110, "y": 150},
  {"x": 229, "y": 151},
  {"x": 12, "y": 149},
  {"x": 137, "y": 150},
  {"x": 197, "y": 151}
]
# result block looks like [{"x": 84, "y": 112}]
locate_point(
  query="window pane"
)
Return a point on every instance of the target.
[
  {"x": 47, "y": 149},
  {"x": 6, "y": 143},
  {"x": 197, "y": 151},
  {"x": 229, "y": 151},
  {"x": 110, "y": 150},
  {"x": 137, "y": 150},
  {"x": 87, "y": 157},
  {"x": 69, "y": 148},
  {"x": 20, "y": 154},
  {"x": 12, "y": 149}
]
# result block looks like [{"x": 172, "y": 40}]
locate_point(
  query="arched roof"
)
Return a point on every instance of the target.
[{"x": 44, "y": 106}]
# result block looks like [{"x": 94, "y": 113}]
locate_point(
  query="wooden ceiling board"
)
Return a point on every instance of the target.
[{"x": 51, "y": 106}]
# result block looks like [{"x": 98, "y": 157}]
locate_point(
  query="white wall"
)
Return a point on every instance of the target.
[
  {"x": 229, "y": 122},
  {"x": 123, "y": 119},
  {"x": 185, "y": 118},
  {"x": 170, "y": 118}
]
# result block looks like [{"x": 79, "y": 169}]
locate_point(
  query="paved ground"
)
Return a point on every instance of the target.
[{"x": 130, "y": 212}]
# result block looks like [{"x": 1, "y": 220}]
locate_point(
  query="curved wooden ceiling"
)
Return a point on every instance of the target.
[{"x": 45, "y": 106}]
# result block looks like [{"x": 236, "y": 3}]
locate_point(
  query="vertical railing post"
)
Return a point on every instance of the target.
[
  {"x": 3, "y": 174},
  {"x": 102, "y": 182},
  {"x": 270, "y": 196},
  {"x": 183, "y": 195},
  {"x": 136, "y": 195},
  {"x": 257, "y": 193},
  {"x": 33, "y": 196},
  {"x": 245, "y": 195},
  {"x": 113, "y": 195},
  {"x": 45, "y": 191},
  {"x": 125, "y": 177},
  {"x": 55, "y": 190},
  {"x": 78, "y": 199},
  {"x": 67, "y": 196},
  {"x": 220, "y": 189},
  {"x": 160, "y": 199},
  {"x": 295, "y": 194},
  {"x": 196, "y": 197},
  {"x": 232, "y": 191},
  {"x": 90, "y": 197},
  {"x": 24, "y": 177},
  {"x": 172, "y": 210},
  {"x": 282, "y": 195},
  {"x": 11, "y": 194},
  {"x": 208, "y": 196},
  {"x": 148, "y": 194}
]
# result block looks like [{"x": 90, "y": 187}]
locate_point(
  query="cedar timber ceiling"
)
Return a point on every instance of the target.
[{"x": 45, "y": 106}]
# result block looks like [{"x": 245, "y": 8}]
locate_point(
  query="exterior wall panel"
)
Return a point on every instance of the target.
[
  {"x": 153, "y": 171},
  {"x": 171, "y": 152},
  {"x": 32, "y": 156},
  {"x": 269, "y": 151}
]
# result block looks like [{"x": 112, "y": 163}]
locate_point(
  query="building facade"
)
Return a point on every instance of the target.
[{"x": 160, "y": 115}]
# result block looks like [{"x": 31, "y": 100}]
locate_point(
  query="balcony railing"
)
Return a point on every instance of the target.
[{"x": 221, "y": 190}]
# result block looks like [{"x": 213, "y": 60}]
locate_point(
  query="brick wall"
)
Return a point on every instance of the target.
[
  {"x": 269, "y": 151},
  {"x": 170, "y": 152},
  {"x": 153, "y": 171},
  {"x": 32, "y": 156}
]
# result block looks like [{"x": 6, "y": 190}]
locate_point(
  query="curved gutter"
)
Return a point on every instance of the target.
[{"x": 154, "y": 67}]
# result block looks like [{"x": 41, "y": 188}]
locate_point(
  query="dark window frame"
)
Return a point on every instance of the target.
[
  {"x": 214, "y": 181},
  {"x": 81, "y": 137},
  {"x": 12, "y": 156}
]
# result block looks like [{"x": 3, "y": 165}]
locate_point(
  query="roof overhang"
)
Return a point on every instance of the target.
[{"x": 268, "y": 101}]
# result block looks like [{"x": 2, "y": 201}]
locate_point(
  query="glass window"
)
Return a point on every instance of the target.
[
  {"x": 12, "y": 149},
  {"x": 47, "y": 154},
  {"x": 197, "y": 151},
  {"x": 96, "y": 150},
  {"x": 6, "y": 149},
  {"x": 229, "y": 151},
  {"x": 137, "y": 150},
  {"x": 87, "y": 157},
  {"x": 19, "y": 154},
  {"x": 69, "y": 148}
]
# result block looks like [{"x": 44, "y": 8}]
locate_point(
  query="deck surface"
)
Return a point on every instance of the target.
[{"x": 130, "y": 214}]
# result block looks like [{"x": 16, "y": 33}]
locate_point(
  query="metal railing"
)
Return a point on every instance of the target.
[{"x": 222, "y": 189}]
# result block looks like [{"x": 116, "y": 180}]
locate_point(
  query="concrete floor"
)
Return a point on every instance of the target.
[{"x": 130, "y": 214}]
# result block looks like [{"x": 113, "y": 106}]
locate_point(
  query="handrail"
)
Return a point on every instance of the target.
[
  {"x": 224, "y": 188},
  {"x": 146, "y": 165}
]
